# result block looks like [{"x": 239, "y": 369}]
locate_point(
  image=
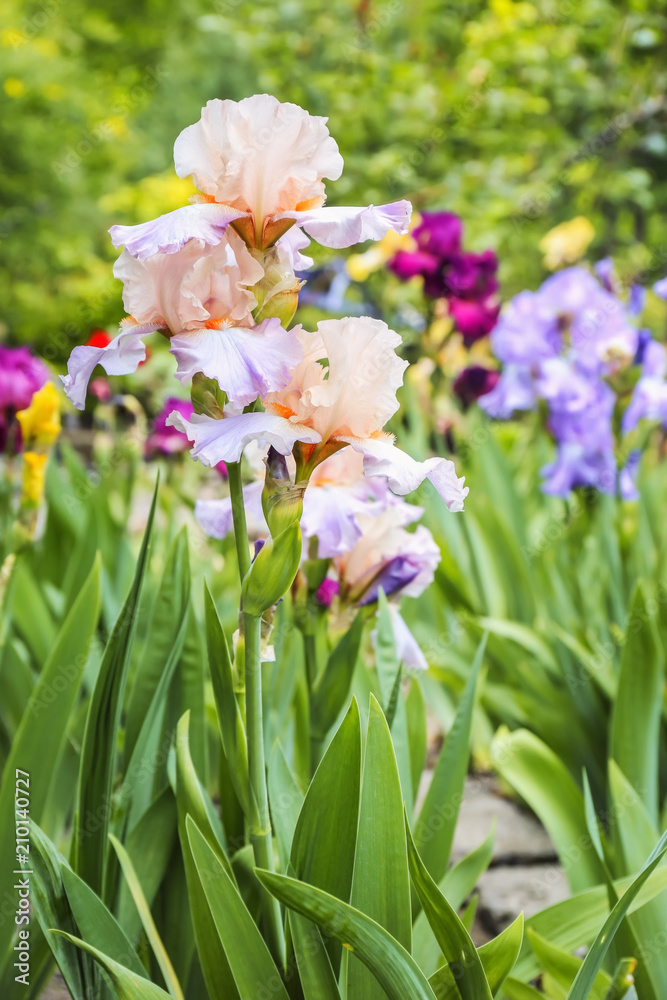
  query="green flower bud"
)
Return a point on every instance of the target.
[
  {"x": 273, "y": 571},
  {"x": 277, "y": 293},
  {"x": 207, "y": 397},
  {"x": 282, "y": 500}
]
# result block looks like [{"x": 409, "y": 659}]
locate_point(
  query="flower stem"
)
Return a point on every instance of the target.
[
  {"x": 310, "y": 653},
  {"x": 310, "y": 658},
  {"x": 259, "y": 821},
  {"x": 260, "y": 826},
  {"x": 238, "y": 517}
]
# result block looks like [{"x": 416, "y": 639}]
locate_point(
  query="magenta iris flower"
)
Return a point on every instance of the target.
[
  {"x": 466, "y": 280},
  {"x": 21, "y": 375},
  {"x": 473, "y": 382},
  {"x": 164, "y": 439}
]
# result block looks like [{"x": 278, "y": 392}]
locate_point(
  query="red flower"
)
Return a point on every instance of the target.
[{"x": 98, "y": 338}]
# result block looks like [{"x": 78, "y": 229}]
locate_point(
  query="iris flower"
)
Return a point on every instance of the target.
[
  {"x": 342, "y": 393},
  {"x": 200, "y": 298},
  {"x": 260, "y": 166}
]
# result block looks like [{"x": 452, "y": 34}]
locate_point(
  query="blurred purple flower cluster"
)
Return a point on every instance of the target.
[
  {"x": 567, "y": 345},
  {"x": 466, "y": 280},
  {"x": 21, "y": 375}
]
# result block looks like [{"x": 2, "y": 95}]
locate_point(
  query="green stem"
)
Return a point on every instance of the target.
[
  {"x": 238, "y": 517},
  {"x": 310, "y": 653},
  {"x": 260, "y": 827},
  {"x": 259, "y": 822},
  {"x": 310, "y": 657}
]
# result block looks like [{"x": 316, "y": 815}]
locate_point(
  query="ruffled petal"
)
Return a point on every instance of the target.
[
  {"x": 245, "y": 362},
  {"x": 185, "y": 289},
  {"x": 215, "y": 516},
  {"x": 365, "y": 372},
  {"x": 330, "y": 515},
  {"x": 404, "y": 474},
  {"x": 170, "y": 232},
  {"x": 292, "y": 243},
  {"x": 258, "y": 154},
  {"x": 407, "y": 648},
  {"x": 121, "y": 357},
  {"x": 224, "y": 440},
  {"x": 343, "y": 227}
]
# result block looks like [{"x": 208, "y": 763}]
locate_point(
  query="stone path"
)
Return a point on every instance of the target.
[
  {"x": 524, "y": 873},
  {"x": 56, "y": 990}
]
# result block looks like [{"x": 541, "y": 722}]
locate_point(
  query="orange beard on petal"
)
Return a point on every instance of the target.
[
  {"x": 304, "y": 206},
  {"x": 280, "y": 410},
  {"x": 217, "y": 324}
]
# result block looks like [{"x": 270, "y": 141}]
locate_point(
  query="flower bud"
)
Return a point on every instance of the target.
[
  {"x": 277, "y": 293},
  {"x": 273, "y": 571},
  {"x": 282, "y": 500},
  {"x": 206, "y": 396}
]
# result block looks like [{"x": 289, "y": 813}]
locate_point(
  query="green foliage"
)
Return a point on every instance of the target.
[
  {"x": 99, "y": 749},
  {"x": 515, "y": 115}
]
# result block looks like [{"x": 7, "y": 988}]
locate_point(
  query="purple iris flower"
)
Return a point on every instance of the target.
[
  {"x": 527, "y": 332},
  {"x": 644, "y": 338},
  {"x": 474, "y": 382},
  {"x": 21, "y": 375},
  {"x": 513, "y": 392},
  {"x": 326, "y": 592},
  {"x": 467, "y": 280},
  {"x": 439, "y": 234},
  {"x": 594, "y": 322},
  {"x": 474, "y": 319},
  {"x": 576, "y": 466},
  {"x": 649, "y": 399},
  {"x": 660, "y": 288},
  {"x": 636, "y": 299},
  {"x": 565, "y": 387},
  {"x": 627, "y": 477},
  {"x": 438, "y": 238},
  {"x": 394, "y": 576},
  {"x": 559, "y": 344},
  {"x": 605, "y": 272},
  {"x": 470, "y": 275},
  {"x": 585, "y": 455},
  {"x": 166, "y": 440}
]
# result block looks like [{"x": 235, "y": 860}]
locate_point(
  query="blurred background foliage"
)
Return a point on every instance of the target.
[{"x": 515, "y": 115}]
